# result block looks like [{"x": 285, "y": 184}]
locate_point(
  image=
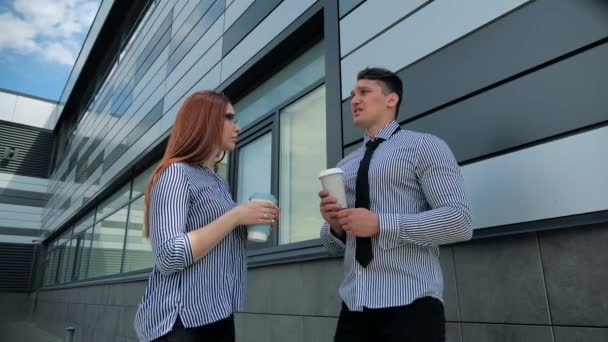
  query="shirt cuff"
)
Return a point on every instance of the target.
[
  {"x": 336, "y": 238},
  {"x": 188, "y": 254},
  {"x": 389, "y": 230}
]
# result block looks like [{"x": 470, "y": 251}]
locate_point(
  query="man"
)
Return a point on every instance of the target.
[{"x": 405, "y": 197}]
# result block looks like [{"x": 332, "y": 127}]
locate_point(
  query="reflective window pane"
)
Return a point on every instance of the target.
[
  {"x": 299, "y": 74},
  {"x": 117, "y": 200},
  {"x": 303, "y": 156},
  {"x": 107, "y": 246},
  {"x": 254, "y": 167},
  {"x": 50, "y": 277},
  {"x": 67, "y": 261},
  {"x": 64, "y": 237},
  {"x": 82, "y": 258},
  {"x": 138, "y": 252},
  {"x": 141, "y": 181},
  {"x": 85, "y": 222},
  {"x": 63, "y": 262},
  {"x": 223, "y": 166}
]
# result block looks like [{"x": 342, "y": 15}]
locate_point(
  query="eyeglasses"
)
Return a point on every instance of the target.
[{"x": 232, "y": 117}]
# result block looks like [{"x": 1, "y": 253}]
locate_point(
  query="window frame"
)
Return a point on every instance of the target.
[{"x": 272, "y": 252}]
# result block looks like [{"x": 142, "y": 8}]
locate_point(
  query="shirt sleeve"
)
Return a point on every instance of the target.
[
  {"x": 449, "y": 218},
  {"x": 333, "y": 244},
  {"x": 168, "y": 212}
]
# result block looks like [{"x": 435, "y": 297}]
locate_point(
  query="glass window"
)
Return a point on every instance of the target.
[
  {"x": 82, "y": 255},
  {"x": 107, "y": 246},
  {"x": 85, "y": 222},
  {"x": 65, "y": 236},
  {"x": 303, "y": 155},
  {"x": 223, "y": 166},
  {"x": 50, "y": 276},
  {"x": 63, "y": 261},
  {"x": 299, "y": 74},
  {"x": 67, "y": 261},
  {"x": 117, "y": 200},
  {"x": 138, "y": 252},
  {"x": 254, "y": 167},
  {"x": 141, "y": 181}
]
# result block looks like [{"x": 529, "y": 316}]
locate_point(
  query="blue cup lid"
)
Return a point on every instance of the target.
[{"x": 264, "y": 196}]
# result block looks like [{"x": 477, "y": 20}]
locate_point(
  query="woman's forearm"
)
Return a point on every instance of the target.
[{"x": 207, "y": 237}]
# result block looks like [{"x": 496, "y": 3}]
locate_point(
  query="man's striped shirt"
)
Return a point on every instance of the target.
[{"x": 417, "y": 190}]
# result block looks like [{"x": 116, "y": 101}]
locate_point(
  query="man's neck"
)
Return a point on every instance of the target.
[{"x": 375, "y": 128}]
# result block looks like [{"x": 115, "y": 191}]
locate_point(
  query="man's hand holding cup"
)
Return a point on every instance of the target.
[{"x": 333, "y": 198}]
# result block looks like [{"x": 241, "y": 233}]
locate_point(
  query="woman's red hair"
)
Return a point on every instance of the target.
[{"x": 196, "y": 132}]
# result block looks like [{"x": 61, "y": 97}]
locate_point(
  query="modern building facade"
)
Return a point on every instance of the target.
[{"x": 515, "y": 87}]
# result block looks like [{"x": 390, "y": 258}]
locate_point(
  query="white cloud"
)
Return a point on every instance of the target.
[{"x": 51, "y": 29}]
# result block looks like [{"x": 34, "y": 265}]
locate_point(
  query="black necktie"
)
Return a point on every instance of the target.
[{"x": 363, "y": 249}]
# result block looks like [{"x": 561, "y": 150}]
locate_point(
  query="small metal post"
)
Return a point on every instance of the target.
[{"x": 69, "y": 335}]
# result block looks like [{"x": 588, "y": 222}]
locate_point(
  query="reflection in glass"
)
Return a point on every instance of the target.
[
  {"x": 67, "y": 261},
  {"x": 299, "y": 74},
  {"x": 138, "y": 252},
  {"x": 84, "y": 250},
  {"x": 50, "y": 277},
  {"x": 117, "y": 200},
  {"x": 303, "y": 156},
  {"x": 107, "y": 247},
  {"x": 140, "y": 182},
  {"x": 254, "y": 167},
  {"x": 223, "y": 166},
  {"x": 85, "y": 222}
]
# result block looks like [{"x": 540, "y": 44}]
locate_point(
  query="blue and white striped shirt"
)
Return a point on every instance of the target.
[
  {"x": 417, "y": 190},
  {"x": 187, "y": 197}
]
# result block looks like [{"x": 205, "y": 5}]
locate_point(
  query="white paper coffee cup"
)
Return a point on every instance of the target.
[
  {"x": 260, "y": 232},
  {"x": 332, "y": 180}
]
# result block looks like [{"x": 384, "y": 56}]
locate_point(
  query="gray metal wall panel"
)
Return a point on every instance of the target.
[
  {"x": 19, "y": 231},
  {"x": 436, "y": 25},
  {"x": 502, "y": 50},
  {"x": 371, "y": 19},
  {"x": 560, "y": 98},
  {"x": 347, "y": 5},
  {"x": 505, "y": 48},
  {"x": 246, "y": 23},
  {"x": 181, "y": 48},
  {"x": 30, "y": 202}
]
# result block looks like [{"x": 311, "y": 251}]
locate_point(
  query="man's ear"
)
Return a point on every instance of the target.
[{"x": 392, "y": 100}]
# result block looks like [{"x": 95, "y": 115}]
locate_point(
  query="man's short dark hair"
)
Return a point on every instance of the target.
[{"x": 390, "y": 82}]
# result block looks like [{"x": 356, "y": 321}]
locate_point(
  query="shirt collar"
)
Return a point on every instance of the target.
[{"x": 384, "y": 133}]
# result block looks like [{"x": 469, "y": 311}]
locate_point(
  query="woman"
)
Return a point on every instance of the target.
[{"x": 196, "y": 230}]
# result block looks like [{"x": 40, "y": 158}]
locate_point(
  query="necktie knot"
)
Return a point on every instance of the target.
[{"x": 373, "y": 144}]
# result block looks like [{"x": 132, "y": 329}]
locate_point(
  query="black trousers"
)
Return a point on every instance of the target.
[
  {"x": 220, "y": 331},
  {"x": 421, "y": 321}
]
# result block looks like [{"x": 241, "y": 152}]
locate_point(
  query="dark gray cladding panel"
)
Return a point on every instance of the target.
[
  {"x": 24, "y": 150},
  {"x": 526, "y": 38},
  {"x": 135, "y": 134},
  {"x": 348, "y": 5},
  {"x": 198, "y": 31},
  {"x": 254, "y": 15},
  {"x": 155, "y": 46},
  {"x": 555, "y": 100}
]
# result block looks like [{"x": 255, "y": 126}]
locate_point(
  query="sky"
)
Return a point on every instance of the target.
[{"x": 39, "y": 43}]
